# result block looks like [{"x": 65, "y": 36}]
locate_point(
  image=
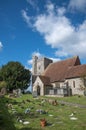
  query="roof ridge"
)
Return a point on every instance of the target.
[{"x": 74, "y": 57}]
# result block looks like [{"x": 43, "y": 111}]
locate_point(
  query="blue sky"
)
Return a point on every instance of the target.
[{"x": 52, "y": 28}]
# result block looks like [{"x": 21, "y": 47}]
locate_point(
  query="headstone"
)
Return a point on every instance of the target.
[
  {"x": 34, "y": 94},
  {"x": 19, "y": 92},
  {"x": 14, "y": 92},
  {"x": 3, "y": 91}
]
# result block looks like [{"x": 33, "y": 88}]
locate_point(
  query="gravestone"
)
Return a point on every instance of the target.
[
  {"x": 14, "y": 92},
  {"x": 34, "y": 94},
  {"x": 3, "y": 91},
  {"x": 19, "y": 92}
]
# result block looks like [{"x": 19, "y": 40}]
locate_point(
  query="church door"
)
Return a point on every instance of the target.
[{"x": 38, "y": 90}]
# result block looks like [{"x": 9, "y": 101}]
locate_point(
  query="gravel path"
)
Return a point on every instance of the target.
[{"x": 72, "y": 104}]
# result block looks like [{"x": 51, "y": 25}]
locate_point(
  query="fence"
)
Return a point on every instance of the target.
[{"x": 57, "y": 91}]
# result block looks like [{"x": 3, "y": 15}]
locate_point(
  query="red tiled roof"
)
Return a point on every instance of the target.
[
  {"x": 76, "y": 71},
  {"x": 45, "y": 80},
  {"x": 57, "y": 71}
]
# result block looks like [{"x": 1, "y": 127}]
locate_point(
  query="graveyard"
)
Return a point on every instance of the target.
[{"x": 26, "y": 112}]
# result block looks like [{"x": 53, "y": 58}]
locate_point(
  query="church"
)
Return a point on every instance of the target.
[{"x": 61, "y": 78}]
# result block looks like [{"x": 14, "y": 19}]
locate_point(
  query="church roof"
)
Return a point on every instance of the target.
[
  {"x": 45, "y": 80},
  {"x": 76, "y": 71},
  {"x": 57, "y": 71}
]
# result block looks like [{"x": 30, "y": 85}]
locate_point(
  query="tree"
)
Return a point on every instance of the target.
[
  {"x": 83, "y": 78},
  {"x": 15, "y": 75},
  {"x": 2, "y": 84}
]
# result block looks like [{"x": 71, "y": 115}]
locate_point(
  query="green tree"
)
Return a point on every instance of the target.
[
  {"x": 83, "y": 78},
  {"x": 2, "y": 84},
  {"x": 15, "y": 75}
]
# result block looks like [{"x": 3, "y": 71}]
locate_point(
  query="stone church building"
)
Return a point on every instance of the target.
[{"x": 62, "y": 78}]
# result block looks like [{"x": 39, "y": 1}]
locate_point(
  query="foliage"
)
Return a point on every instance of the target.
[
  {"x": 15, "y": 75},
  {"x": 2, "y": 84},
  {"x": 6, "y": 119},
  {"x": 83, "y": 78}
]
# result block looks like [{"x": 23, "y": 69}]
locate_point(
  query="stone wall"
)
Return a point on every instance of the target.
[
  {"x": 76, "y": 85},
  {"x": 38, "y": 83}
]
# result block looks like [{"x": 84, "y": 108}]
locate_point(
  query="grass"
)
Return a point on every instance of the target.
[
  {"x": 57, "y": 117},
  {"x": 72, "y": 99},
  {"x": 75, "y": 99}
]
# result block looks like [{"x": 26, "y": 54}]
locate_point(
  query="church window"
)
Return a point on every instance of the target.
[{"x": 74, "y": 84}]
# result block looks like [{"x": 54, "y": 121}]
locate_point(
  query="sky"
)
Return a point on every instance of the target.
[{"x": 54, "y": 29}]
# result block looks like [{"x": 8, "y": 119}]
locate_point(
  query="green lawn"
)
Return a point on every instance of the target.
[{"x": 12, "y": 114}]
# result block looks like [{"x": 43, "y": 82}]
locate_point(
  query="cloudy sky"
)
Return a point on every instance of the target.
[{"x": 52, "y": 28}]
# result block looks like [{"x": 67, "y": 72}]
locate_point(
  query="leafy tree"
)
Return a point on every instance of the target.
[
  {"x": 2, "y": 84},
  {"x": 83, "y": 78},
  {"x": 15, "y": 75}
]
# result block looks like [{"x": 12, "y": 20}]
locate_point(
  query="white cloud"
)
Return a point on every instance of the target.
[
  {"x": 61, "y": 11},
  {"x": 54, "y": 59},
  {"x": 61, "y": 53},
  {"x": 29, "y": 62},
  {"x": 33, "y": 3},
  {"x": 1, "y": 45},
  {"x": 37, "y": 53},
  {"x": 59, "y": 32},
  {"x": 26, "y": 18},
  {"x": 50, "y": 7},
  {"x": 79, "y": 5}
]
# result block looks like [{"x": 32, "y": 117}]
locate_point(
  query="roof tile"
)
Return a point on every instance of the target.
[{"x": 57, "y": 71}]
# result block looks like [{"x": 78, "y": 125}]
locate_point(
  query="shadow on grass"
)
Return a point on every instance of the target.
[
  {"x": 6, "y": 121},
  {"x": 30, "y": 129}
]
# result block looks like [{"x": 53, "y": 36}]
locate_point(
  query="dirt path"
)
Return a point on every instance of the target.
[{"x": 72, "y": 104}]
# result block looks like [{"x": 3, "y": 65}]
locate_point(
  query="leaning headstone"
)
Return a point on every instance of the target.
[
  {"x": 3, "y": 91},
  {"x": 34, "y": 94}
]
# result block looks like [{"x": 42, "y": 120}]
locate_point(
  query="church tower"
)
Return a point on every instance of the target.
[
  {"x": 34, "y": 65},
  {"x": 39, "y": 65}
]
